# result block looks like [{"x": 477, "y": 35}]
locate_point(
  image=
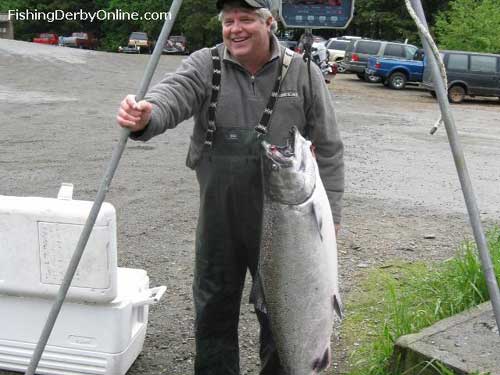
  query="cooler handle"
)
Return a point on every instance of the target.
[{"x": 151, "y": 296}]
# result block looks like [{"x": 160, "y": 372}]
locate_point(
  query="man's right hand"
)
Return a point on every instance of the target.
[{"x": 132, "y": 115}]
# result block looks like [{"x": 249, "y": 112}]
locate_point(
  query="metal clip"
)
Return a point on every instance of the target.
[
  {"x": 261, "y": 129},
  {"x": 210, "y": 137}
]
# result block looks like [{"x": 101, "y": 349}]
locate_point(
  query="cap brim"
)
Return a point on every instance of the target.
[
  {"x": 254, "y": 4},
  {"x": 249, "y": 3}
]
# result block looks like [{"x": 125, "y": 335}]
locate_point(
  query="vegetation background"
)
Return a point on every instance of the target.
[{"x": 458, "y": 24}]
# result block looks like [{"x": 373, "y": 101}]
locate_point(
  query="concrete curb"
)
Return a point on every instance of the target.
[{"x": 466, "y": 343}]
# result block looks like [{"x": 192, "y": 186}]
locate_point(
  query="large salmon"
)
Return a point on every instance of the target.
[{"x": 297, "y": 276}]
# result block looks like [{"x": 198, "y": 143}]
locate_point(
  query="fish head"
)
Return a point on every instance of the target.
[{"x": 289, "y": 171}]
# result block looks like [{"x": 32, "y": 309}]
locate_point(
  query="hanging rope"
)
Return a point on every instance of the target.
[{"x": 435, "y": 52}]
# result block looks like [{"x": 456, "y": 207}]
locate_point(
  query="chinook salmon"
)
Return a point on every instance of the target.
[{"x": 297, "y": 277}]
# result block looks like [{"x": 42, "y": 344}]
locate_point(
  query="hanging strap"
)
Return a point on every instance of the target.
[
  {"x": 263, "y": 126},
  {"x": 216, "y": 79}
]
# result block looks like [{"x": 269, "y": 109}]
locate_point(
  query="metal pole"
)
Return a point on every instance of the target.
[
  {"x": 103, "y": 189},
  {"x": 461, "y": 166}
]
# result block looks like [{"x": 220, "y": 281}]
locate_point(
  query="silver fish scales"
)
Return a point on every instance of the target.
[{"x": 297, "y": 282}]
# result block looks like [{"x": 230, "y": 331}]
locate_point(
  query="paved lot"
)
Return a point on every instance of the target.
[{"x": 58, "y": 105}]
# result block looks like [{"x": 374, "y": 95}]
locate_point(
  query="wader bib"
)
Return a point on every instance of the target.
[{"x": 228, "y": 237}]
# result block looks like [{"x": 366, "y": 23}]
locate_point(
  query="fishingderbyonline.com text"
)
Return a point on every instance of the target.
[{"x": 82, "y": 15}]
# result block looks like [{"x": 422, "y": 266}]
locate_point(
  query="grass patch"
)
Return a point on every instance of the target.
[{"x": 403, "y": 298}]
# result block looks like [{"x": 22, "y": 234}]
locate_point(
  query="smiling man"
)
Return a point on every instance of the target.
[{"x": 241, "y": 92}]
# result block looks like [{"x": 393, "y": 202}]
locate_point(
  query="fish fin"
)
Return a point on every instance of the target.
[
  {"x": 337, "y": 306},
  {"x": 324, "y": 361},
  {"x": 319, "y": 220},
  {"x": 257, "y": 294}
]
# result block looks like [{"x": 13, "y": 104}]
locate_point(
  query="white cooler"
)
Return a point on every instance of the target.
[
  {"x": 101, "y": 329},
  {"x": 38, "y": 236}
]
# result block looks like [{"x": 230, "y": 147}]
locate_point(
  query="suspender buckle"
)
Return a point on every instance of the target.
[
  {"x": 210, "y": 137},
  {"x": 261, "y": 129}
]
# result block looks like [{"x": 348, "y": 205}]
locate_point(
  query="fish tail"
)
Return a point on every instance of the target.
[{"x": 324, "y": 361}]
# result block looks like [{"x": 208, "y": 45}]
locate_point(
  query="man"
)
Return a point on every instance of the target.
[{"x": 228, "y": 91}]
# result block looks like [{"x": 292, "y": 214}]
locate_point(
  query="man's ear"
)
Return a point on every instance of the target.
[{"x": 269, "y": 22}]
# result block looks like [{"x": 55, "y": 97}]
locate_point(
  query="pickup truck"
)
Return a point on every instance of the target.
[
  {"x": 138, "y": 42},
  {"x": 46, "y": 38},
  {"x": 79, "y": 40},
  {"x": 396, "y": 72}
]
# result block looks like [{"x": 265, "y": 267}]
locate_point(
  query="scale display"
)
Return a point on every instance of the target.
[{"x": 316, "y": 14}]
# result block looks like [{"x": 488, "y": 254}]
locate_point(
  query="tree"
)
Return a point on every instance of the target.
[
  {"x": 470, "y": 25},
  {"x": 389, "y": 19},
  {"x": 198, "y": 22}
]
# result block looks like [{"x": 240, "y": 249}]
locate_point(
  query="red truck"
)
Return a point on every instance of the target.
[
  {"x": 47, "y": 38},
  {"x": 79, "y": 40}
]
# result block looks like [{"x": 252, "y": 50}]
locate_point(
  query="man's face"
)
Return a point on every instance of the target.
[{"x": 244, "y": 33}]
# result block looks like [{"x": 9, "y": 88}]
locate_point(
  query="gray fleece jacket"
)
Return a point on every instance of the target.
[{"x": 242, "y": 100}]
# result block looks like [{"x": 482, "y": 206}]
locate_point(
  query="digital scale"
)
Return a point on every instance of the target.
[{"x": 316, "y": 14}]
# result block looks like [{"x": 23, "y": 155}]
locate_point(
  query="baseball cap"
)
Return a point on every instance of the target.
[{"x": 249, "y": 3}]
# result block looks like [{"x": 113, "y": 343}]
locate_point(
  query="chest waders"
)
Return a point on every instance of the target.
[{"x": 228, "y": 237}]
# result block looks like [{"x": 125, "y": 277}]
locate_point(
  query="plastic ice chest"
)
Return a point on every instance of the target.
[
  {"x": 88, "y": 338},
  {"x": 38, "y": 236}
]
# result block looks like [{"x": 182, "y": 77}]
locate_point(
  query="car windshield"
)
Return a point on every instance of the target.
[
  {"x": 46, "y": 36},
  {"x": 370, "y": 48},
  {"x": 139, "y": 36},
  {"x": 320, "y": 44},
  {"x": 177, "y": 38},
  {"x": 338, "y": 45}
]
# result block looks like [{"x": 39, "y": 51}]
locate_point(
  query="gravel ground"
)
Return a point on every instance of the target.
[{"x": 58, "y": 105}]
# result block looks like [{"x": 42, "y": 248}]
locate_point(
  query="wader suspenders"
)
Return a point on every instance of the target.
[
  {"x": 263, "y": 126},
  {"x": 216, "y": 78}
]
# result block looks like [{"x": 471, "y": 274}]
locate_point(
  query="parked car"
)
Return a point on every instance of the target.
[
  {"x": 469, "y": 73},
  {"x": 138, "y": 42},
  {"x": 356, "y": 56},
  {"x": 337, "y": 47},
  {"x": 79, "y": 40},
  {"x": 47, "y": 38},
  {"x": 396, "y": 72},
  {"x": 176, "y": 44}
]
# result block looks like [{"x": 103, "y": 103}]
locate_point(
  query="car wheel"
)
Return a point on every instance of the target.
[
  {"x": 340, "y": 67},
  {"x": 373, "y": 78},
  {"x": 397, "y": 81},
  {"x": 361, "y": 76},
  {"x": 456, "y": 94}
]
